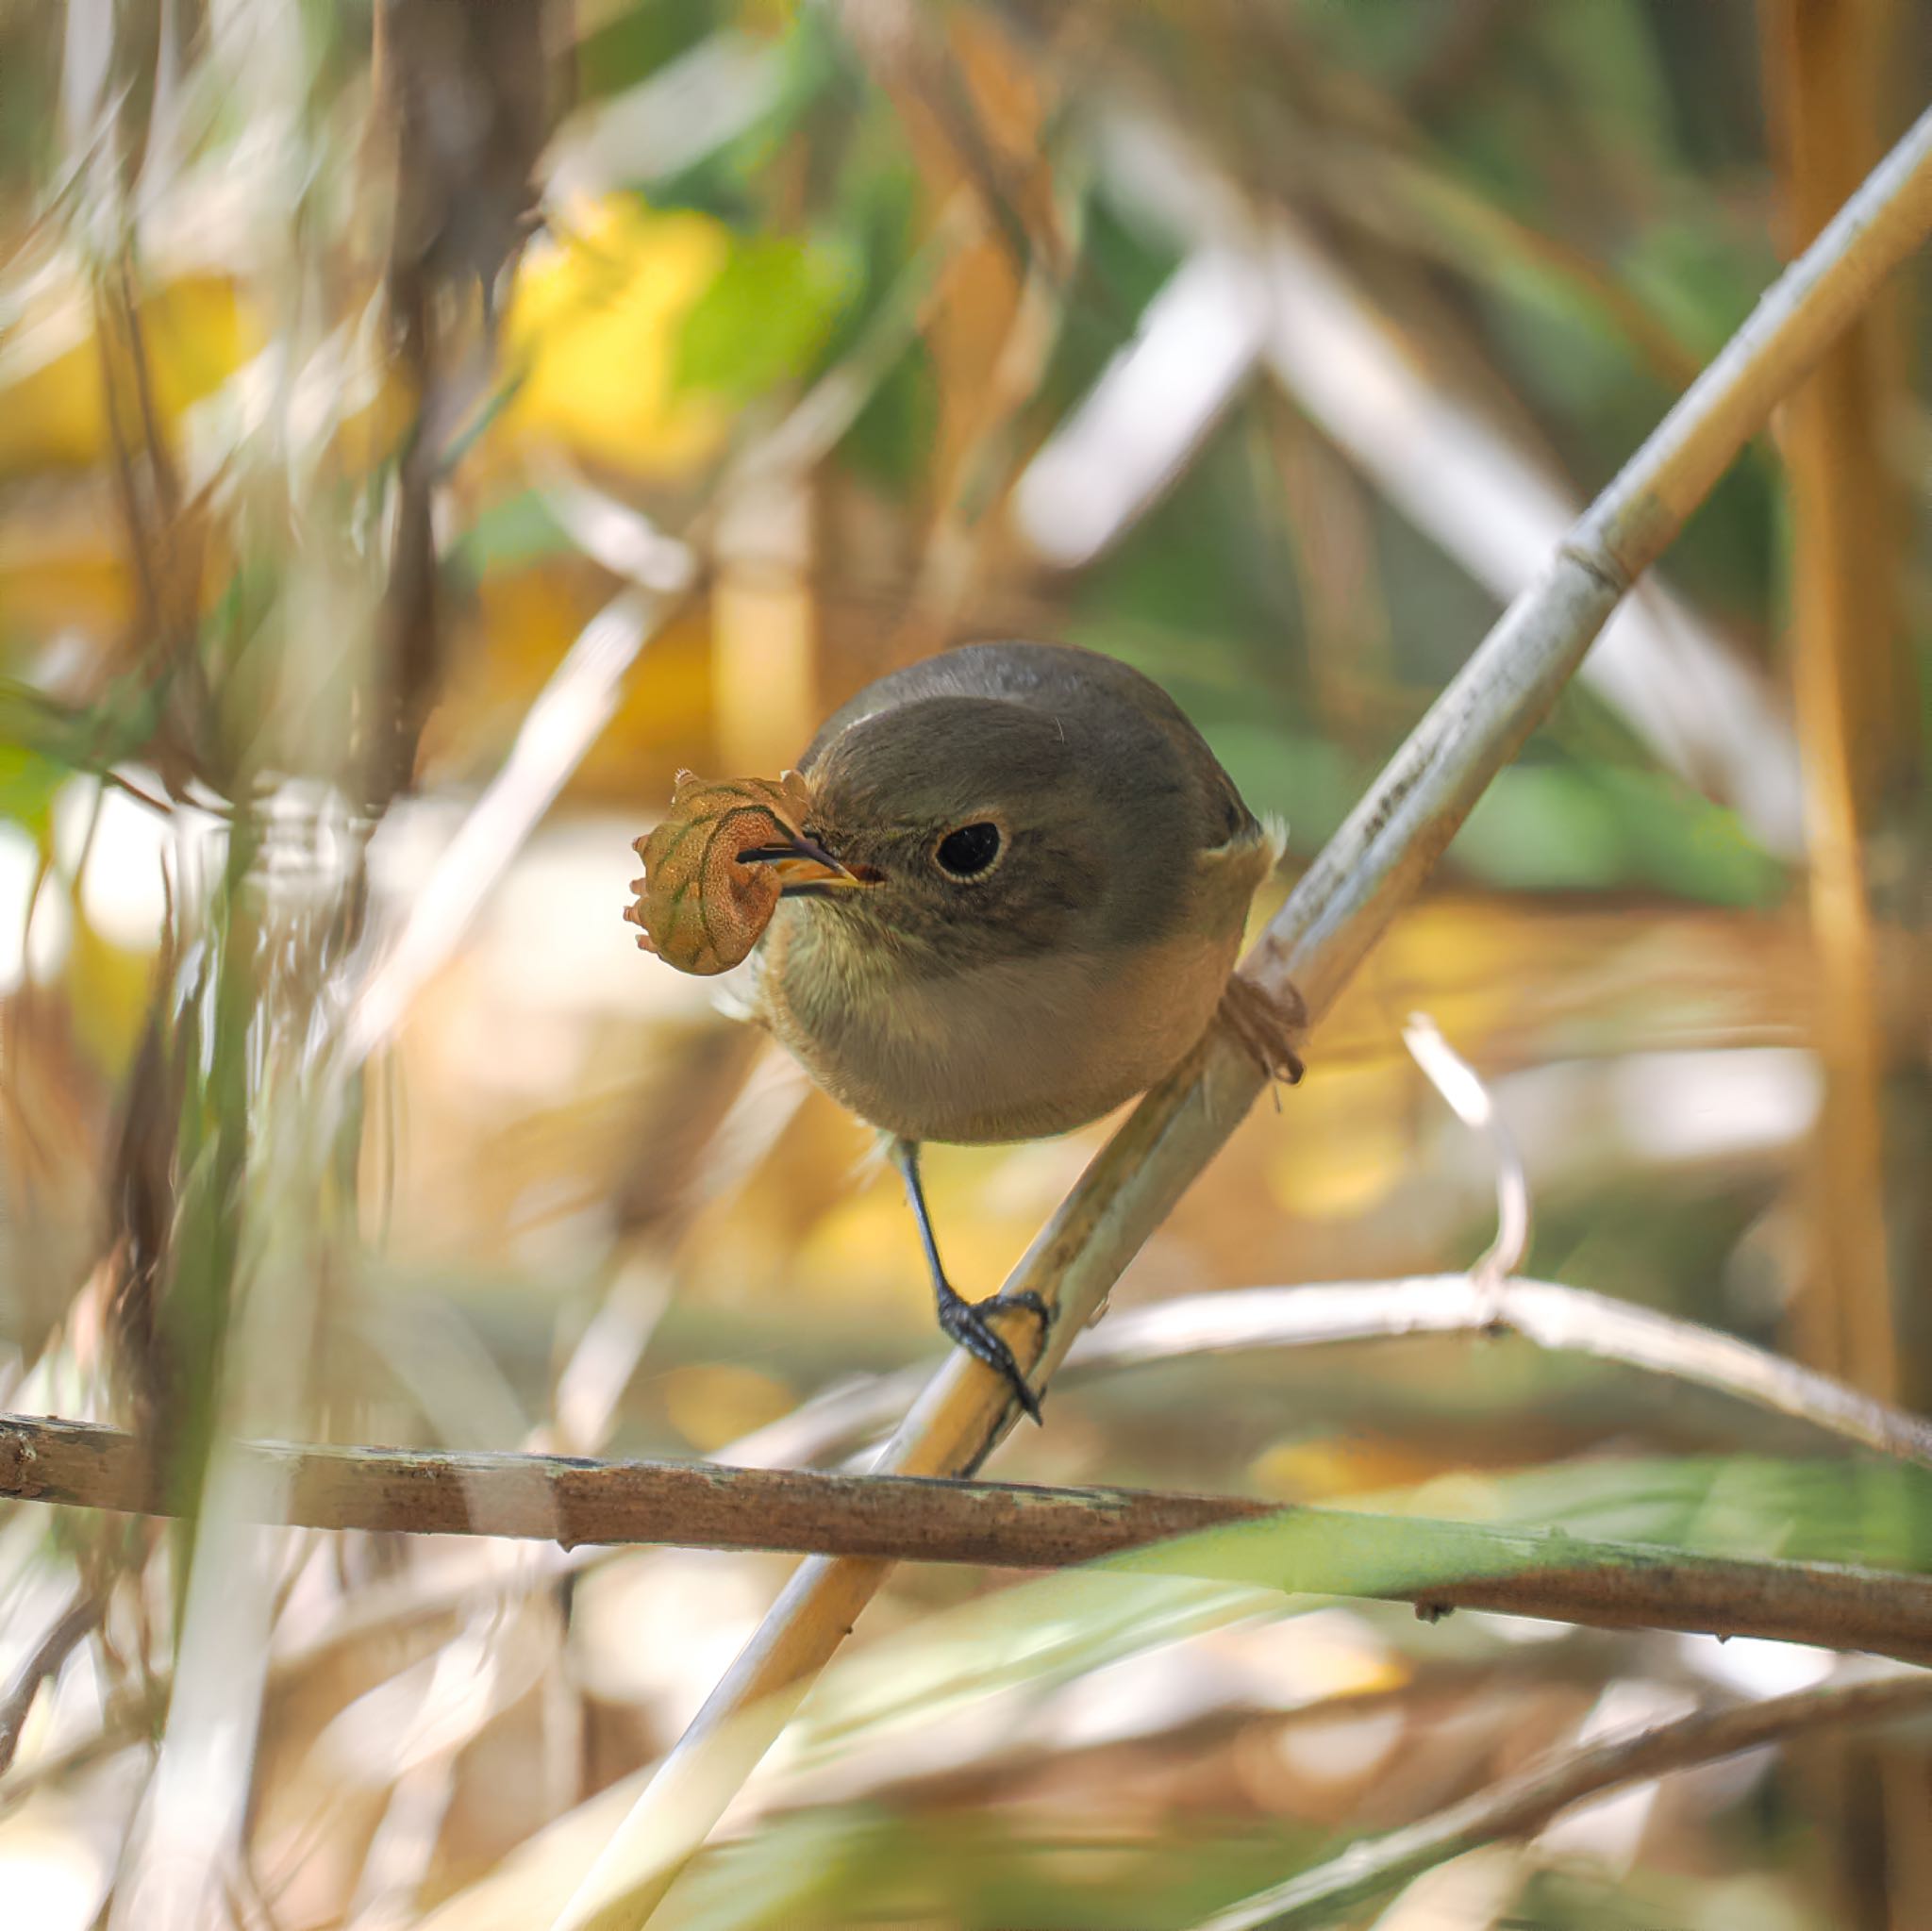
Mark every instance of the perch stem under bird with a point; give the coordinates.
(1002, 895)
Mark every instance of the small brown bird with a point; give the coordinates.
(1016, 903)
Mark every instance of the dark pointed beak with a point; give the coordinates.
(805, 868)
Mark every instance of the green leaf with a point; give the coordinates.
(629, 44)
(1564, 826)
(891, 437)
(862, 1863)
(512, 533)
(764, 318)
(29, 781)
(44, 742)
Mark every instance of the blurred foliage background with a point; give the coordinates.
(425, 428)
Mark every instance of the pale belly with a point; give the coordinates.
(1005, 1052)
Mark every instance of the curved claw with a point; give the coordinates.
(1270, 1026)
(964, 1322)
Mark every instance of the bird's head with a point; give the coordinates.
(975, 829)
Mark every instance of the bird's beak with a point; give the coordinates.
(804, 868)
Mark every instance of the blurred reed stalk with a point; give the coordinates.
(1848, 517)
(1374, 865)
(1830, 72)
(290, 653)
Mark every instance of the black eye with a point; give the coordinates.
(967, 852)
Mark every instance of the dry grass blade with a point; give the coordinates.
(574, 706)
(1470, 1101)
(1375, 863)
(81, 1619)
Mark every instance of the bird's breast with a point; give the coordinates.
(1009, 1050)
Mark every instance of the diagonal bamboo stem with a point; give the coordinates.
(1374, 862)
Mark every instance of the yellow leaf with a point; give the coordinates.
(53, 415)
(593, 329)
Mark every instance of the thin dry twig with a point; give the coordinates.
(574, 1502)
(1375, 863)
(1545, 1313)
(1523, 1803)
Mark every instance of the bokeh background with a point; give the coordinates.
(425, 429)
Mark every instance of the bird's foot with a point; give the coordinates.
(965, 1323)
(1271, 1027)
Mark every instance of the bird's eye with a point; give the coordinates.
(965, 853)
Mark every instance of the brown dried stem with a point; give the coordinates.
(1830, 72)
(695, 1505)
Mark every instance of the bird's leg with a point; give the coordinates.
(1271, 1025)
(964, 1322)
